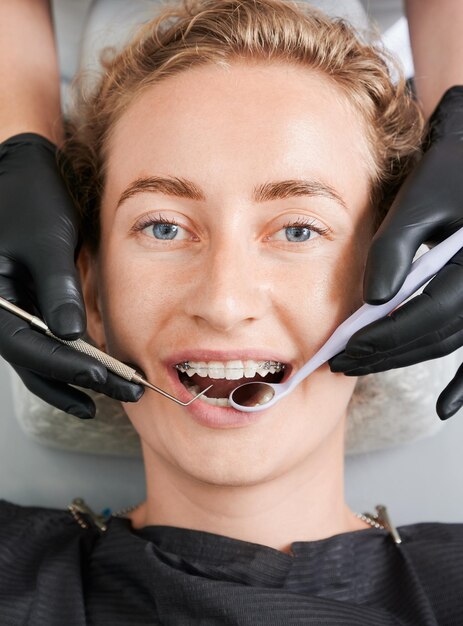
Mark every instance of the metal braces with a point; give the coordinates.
(264, 365)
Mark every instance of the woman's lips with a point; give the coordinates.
(207, 414)
(215, 416)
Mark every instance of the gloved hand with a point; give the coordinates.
(38, 241)
(427, 209)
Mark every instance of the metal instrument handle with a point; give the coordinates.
(121, 369)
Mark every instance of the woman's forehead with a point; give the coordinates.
(215, 124)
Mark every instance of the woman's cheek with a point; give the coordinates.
(125, 307)
(347, 284)
(334, 290)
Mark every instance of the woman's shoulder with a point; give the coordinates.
(431, 555)
(432, 542)
(432, 532)
(41, 549)
(14, 516)
(34, 529)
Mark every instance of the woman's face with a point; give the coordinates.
(233, 280)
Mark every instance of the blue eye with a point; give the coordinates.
(298, 234)
(301, 231)
(164, 231)
(161, 228)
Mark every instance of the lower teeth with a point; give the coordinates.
(194, 389)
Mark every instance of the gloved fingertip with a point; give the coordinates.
(388, 264)
(83, 413)
(359, 371)
(138, 393)
(377, 291)
(375, 297)
(341, 363)
(67, 321)
(446, 409)
(357, 351)
(348, 367)
(443, 415)
(132, 394)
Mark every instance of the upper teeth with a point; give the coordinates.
(231, 370)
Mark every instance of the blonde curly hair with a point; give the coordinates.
(187, 33)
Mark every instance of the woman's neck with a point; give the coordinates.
(305, 503)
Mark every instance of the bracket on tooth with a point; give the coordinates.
(185, 365)
(268, 364)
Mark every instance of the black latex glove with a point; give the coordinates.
(38, 241)
(427, 209)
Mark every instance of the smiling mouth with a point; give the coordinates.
(197, 376)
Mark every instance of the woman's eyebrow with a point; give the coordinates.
(276, 190)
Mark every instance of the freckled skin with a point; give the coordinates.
(229, 130)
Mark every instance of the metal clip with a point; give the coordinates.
(384, 518)
(79, 506)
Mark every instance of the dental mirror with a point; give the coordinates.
(256, 396)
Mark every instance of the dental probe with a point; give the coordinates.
(256, 396)
(112, 364)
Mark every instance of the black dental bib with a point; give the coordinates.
(52, 571)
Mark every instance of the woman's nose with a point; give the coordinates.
(230, 289)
